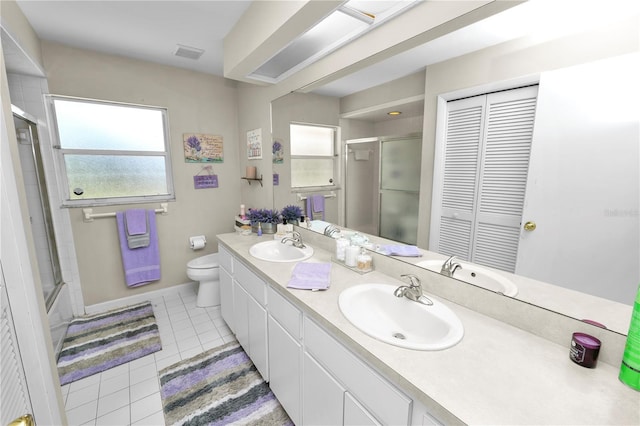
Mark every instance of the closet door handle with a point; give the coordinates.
(530, 226)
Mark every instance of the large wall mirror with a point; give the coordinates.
(581, 183)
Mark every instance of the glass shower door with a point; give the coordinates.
(400, 188)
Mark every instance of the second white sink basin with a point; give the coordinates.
(275, 251)
(375, 310)
(476, 275)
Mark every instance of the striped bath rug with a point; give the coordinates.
(218, 387)
(98, 342)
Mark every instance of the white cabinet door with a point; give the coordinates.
(226, 298)
(322, 395)
(241, 315)
(258, 337)
(356, 414)
(284, 369)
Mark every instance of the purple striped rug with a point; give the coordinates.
(99, 342)
(218, 387)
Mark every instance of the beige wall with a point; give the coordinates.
(196, 103)
(510, 61)
(17, 26)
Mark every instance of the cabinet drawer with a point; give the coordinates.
(285, 313)
(250, 282)
(376, 394)
(225, 258)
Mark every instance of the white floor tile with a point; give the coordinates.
(188, 343)
(144, 388)
(143, 373)
(146, 407)
(178, 316)
(165, 362)
(82, 396)
(114, 384)
(113, 401)
(120, 416)
(212, 344)
(145, 360)
(209, 336)
(156, 419)
(82, 414)
(191, 352)
(83, 383)
(115, 371)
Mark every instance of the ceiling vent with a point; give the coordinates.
(188, 52)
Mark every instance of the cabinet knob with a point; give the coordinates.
(529, 226)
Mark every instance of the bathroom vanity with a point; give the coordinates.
(324, 370)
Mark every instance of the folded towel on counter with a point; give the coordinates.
(137, 228)
(399, 250)
(310, 276)
(142, 264)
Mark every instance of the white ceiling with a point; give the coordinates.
(146, 30)
(150, 30)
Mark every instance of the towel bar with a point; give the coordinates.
(329, 195)
(88, 215)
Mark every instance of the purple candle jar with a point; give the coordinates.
(584, 350)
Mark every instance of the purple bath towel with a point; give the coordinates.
(310, 276)
(315, 204)
(142, 264)
(400, 250)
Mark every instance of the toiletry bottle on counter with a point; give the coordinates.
(341, 248)
(259, 229)
(351, 256)
(364, 261)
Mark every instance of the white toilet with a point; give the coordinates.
(206, 270)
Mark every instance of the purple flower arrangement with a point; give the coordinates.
(291, 213)
(264, 216)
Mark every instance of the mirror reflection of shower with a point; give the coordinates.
(39, 209)
(382, 186)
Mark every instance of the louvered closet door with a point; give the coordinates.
(485, 160)
(503, 176)
(14, 395)
(460, 174)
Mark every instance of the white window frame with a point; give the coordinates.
(335, 160)
(60, 165)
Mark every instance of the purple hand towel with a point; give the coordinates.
(315, 204)
(400, 250)
(141, 265)
(310, 276)
(136, 221)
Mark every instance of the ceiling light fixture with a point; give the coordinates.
(188, 52)
(392, 113)
(346, 23)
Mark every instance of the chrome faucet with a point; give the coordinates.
(295, 238)
(450, 266)
(331, 230)
(413, 291)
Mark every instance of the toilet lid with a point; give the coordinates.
(204, 262)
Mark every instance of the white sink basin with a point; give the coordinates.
(476, 275)
(275, 251)
(399, 321)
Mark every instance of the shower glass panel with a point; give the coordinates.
(39, 208)
(400, 162)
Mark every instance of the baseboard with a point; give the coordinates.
(138, 298)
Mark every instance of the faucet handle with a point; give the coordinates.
(413, 280)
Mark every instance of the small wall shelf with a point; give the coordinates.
(253, 179)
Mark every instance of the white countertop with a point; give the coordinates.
(497, 374)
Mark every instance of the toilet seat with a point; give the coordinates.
(204, 262)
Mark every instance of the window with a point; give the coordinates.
(313, 159)
(111, 153)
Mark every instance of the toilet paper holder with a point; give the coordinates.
(197, 242)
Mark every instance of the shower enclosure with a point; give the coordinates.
(383, 186)
(39, 207)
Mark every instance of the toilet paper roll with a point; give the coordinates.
(197, 243)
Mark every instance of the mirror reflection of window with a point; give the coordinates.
(313, 159)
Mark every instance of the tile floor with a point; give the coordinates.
(130, 393)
